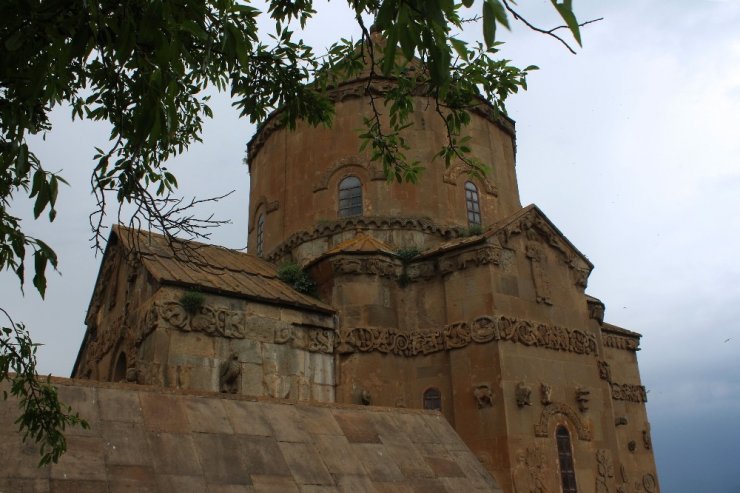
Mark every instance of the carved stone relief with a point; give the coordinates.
(545, 394)
(382, 223)
(632, 445)
(454, 171)
(621, 421)
(483, 395)
(647, 442)
(619, 342)
(355, 161)
(539, 277)
(604, 470)
(374, 266)
(583, 395)
(583, 428)
(604, 371)
(523, 394)
(481, 330)
(529, 471)
(229, 374)
(628, 392)
(535, 227)
(366, 397)
(649, 483)
(217, 321)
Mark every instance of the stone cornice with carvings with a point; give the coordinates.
(337, 226)
(358, 88)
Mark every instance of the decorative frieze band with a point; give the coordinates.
(233, 324)
(619, 342)
(628, 392)
(457, 335)
(416, 270)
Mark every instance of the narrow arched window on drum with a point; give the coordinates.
(350, 197)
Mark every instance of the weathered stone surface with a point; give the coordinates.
(177, 442)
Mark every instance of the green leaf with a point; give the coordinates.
(489, 24)
(389, 53)
(39, 279)
(565, 9)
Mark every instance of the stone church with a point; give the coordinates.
(446, 295)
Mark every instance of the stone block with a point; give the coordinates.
(409, 461)
(78, 486)
(220, 458)
(354, 484)
(24, 485)
(180, 484)
(321, 368)
(263, 310)
(383, 487)
(273, 484)
(118, 405)
(247, 418)
(322, 393)
(285, 423)
(337, 456)
(261, 455)
(358, 428)
(374, 458)
(82, 460)
(230, 488)
(261, 329)
(207, 415)
(122, 479)
(21, 458)
(204, 378)
(305, 464)
(415, 428)
(248, 351)
(192, 343)
(83, 400)
(125, 443)
(164, 413)
(174, 453)
(155, 347)
(251, 380)
(444, 467)
(318, 420)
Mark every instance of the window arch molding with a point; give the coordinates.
(350, 196)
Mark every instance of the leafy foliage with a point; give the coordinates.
(407, 254)
(43, 417)
(144, 67)
(192, 301)
(291, 273)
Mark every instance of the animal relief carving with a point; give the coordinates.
(523, 394)
(583, 395)
(229, 374)
(545, 394)
(483, 395)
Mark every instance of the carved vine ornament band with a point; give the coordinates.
(460, 334)
(233, 324)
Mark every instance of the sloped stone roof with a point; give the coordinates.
(213, 268)
(151, 439)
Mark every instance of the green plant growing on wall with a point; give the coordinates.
(192, 301)
(474, 229)
(291, 273)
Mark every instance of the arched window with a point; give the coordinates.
(261, 235)
(472, 202)
(350, 197)
(565, 458)
(433, 399)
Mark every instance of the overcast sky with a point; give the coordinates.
(631, 147)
